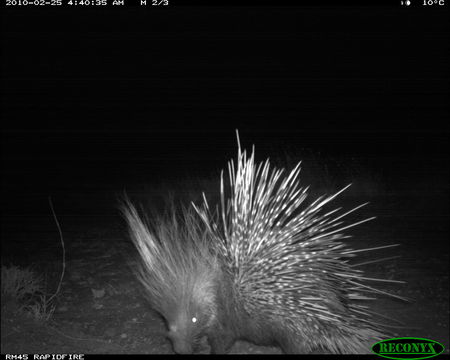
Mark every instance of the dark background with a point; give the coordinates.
(97, 99)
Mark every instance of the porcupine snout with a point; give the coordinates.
(180, 335)
(179, 343)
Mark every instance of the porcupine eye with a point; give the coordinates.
(194, 320)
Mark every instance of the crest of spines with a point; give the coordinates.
(279, 250)
(175, 263)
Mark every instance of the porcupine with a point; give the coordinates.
(266, 269)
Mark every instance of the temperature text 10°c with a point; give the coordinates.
(433, 2)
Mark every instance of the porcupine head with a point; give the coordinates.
(190, 310)
(179, 272)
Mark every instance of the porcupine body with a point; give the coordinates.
(267, 269)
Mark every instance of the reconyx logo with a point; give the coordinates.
(407, 348)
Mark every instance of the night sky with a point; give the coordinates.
(107, 97)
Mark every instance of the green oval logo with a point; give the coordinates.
(407, 348)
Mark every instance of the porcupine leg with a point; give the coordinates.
(220, 343)
(292, 345)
